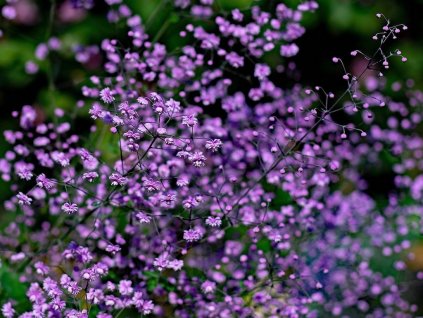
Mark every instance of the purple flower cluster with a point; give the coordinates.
(184, 217)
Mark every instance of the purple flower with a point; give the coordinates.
(71, 286)
(143, 218)
(96, 111)
(41, 268)
(208, 287)
(151, 185)
(261, 71)
(125, 287)
(28, 117)
(69, 208)
(192, 235)
(117, 179)
(173, 106)
(143, 305)
(189, 120)
(289, 50)
(214, 221)
(113, 248)
(197, 159)
(7, 310)
(23, 199)
(127, 110)
(175, 264)
(161, 262)
(60, 158)
(214, 145)
(51, 288)
(8, 12)
(44, 182)
(90, 176)
(235, 60)
(106, 95)
(147, 307)
(82, 4)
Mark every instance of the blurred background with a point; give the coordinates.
(337, 28)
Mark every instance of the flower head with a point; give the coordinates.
(23, 199)
(106, 95)
(192, 235)
(70, 208)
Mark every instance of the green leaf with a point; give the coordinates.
(12, 288)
